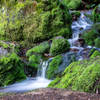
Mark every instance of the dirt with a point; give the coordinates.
(51, 94)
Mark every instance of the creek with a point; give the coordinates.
(78, 27)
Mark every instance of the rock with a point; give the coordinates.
(11, 69)
(58, 64)
(58, 46)
(51, 94)
(74, 50)
(81, 42)
(80, 76)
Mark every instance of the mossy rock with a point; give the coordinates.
(33, 63)
(11, 70)
(4, 45)
(59, 46)
(80, 76)
(39, 49)
(95, 54)
(73, 4)
(52, 71)
(90, 36)
(97, 42)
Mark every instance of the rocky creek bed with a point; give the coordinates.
(51, 94)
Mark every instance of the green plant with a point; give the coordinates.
(80, 76)
(11, 69)
(97, 42)
(53, 67)
(59, 46)
(39, 49)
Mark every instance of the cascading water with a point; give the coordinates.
(30, 83)
(82, 24)
(78, 27)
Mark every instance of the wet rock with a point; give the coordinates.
(79, 43)
(74, 50)
(3, 52)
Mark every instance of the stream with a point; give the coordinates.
(30, 83)
(78, 27)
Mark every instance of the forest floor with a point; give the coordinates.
(51, 94)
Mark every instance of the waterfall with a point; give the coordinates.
(31, 83)
(44, 67)
(79, 26)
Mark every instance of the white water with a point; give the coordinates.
(78, 27)
(30, 83)
(82, 24)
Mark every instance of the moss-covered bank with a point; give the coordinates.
(11, 69)
(81, 75)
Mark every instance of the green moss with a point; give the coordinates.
(96, 14)
(59, 46)
(4, 45)
(97, 42)
(72, 4)
(34, 61)
(90, 36)
(81, 76)
(39, 49)
(75, 13)
(95, 54)
(53, 67)
(11, 70)
(34, 24)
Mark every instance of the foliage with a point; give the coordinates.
(90, 36)
(72, 4)
(39, 49)
(53, 67)
(11, 70)
(4, 45)
(96, 14)
(95, 54)
(34, 61)
(97, 42)
(59, 46)
(81, 76)
(34, 21)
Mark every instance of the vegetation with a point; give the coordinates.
(30, 21)
(59, 46)
(38, 29)
(39, 49)
(11, 70)
(72, 4)
(52, 71)
(81, 76)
